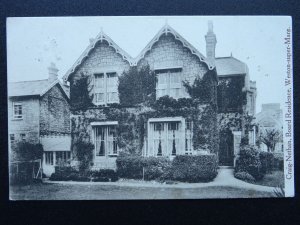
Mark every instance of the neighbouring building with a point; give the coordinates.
(270, 118)
(217, 125)
(38, 112)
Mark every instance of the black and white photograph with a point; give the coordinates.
(150, 107)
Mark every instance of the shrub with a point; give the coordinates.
(131, 167)
(244, 176)
(278, 162)
(64, 173)
(192, 168)
(249, 161)
(104, 175)
(267, 161)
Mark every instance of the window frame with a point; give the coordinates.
(107, 89)
(49, 158)
(17, 116)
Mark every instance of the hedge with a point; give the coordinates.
(278, 162)
(104, 175)
(137, 167)
(192, 168)
(249, 161)
(244, 176)
(267, 161)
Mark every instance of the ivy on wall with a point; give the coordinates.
(137, 86)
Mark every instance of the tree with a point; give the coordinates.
(270, 137)
(25, 151)
(136, 86)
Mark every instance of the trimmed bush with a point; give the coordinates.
(267, 161)
(64, 173)
(249, 161)
(104, 175)
(137, 167)
(192, 168)
(244, 176)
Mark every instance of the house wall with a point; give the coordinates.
(54, 112)
(29, 124)
(168, 52)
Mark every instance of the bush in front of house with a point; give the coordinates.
(192, 168)
(103, 175)
(267, 161)
(249, 161)
(244, 176)
(278, 161)
(64, 173)
(138, 167)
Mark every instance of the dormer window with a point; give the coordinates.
(106, 88)
(17, 110)
(169, 83)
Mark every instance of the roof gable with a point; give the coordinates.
(134, 61)
(32, 88)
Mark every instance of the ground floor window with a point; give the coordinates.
(106, 140)
(188, 137)
(62, 157)
(49, 158)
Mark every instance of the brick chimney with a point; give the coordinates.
(211, 42)
(52, 70)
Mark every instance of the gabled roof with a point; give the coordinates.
(227, 66)
(100, 37)
(168, 29)
(133, 61)
(32, 88)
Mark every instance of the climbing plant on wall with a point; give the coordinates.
(136, 86)
(80, 96)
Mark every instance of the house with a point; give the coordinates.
(113, 128)
(271, 118)
(38, 112)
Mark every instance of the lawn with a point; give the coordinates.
(98, 192)
(275, 179)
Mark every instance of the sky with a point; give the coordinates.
(34, 42)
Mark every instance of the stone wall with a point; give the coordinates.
(29, 124)
(54, 112)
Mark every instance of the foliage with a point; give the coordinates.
(267, 161)
(80, 96)
(231, 97)
(203, 89)
(64, 173)
(137, 167)
(244, 176)
(278, 162)
(270, 137)
(136, 86)
(192, 168)
(103, 175)
(26, 151)
(249, 161)
(279, 192)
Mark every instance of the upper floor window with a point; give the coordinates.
(17, 110)
(106, 88)
(23, 137)
(169, 83)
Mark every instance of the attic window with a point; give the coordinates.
(106, 88)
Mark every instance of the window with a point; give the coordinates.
(173, 126)
(106, 140)
(188, 137)
(158, 126)
(17, 110)
(169, 83)
(62, 157)
(49, 158)
(12, 138)
(23, 137)
(106, 88)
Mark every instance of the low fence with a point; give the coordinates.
(24, 172)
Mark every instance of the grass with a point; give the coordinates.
(99, 192)
(275, 179)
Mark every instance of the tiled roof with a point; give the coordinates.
(230, 66)
(24, 88)
(31, 88)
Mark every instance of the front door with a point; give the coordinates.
(106, 144)
(226, 154)
(164, 138)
